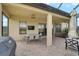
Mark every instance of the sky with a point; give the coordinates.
(5, 20)
(67, 7)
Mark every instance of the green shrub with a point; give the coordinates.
(65, 30)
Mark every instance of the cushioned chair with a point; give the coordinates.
(31, 37)
(73, 43)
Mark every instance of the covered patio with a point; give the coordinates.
(21, 16)
(20, 13)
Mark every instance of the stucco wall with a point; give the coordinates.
(0, 17)
(14, 27)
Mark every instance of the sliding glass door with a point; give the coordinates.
(5, 26)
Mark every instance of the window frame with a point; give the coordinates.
(7, 24)
(58, 28)
(20, 28)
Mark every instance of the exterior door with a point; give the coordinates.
(5, 25)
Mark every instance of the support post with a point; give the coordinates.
(72, 25)
(49, 29)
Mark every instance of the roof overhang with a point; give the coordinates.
(48, 8)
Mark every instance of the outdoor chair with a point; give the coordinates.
(73, 43)
(26, 37)
(37, 37)
(31, 37)
(34, 37)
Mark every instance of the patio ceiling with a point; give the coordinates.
(14, 10)
(67, 7)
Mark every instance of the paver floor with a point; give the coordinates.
(39, 48)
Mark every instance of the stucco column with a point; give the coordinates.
(49, 29)
(72, 25)
(0, 17)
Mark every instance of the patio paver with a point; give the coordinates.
(39, 48)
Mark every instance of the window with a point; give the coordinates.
(42, 29)
(5, 26)
(22, 27)
(58, 28)
(78, 25)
